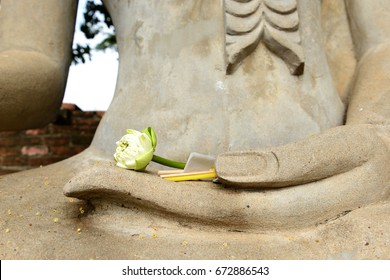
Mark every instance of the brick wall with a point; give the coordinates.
(70, 134)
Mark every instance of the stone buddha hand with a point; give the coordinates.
(292, 96)
(248, 76)
(345, 149)
(221, 77)
(355, 157)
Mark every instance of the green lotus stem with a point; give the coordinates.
(167, 162)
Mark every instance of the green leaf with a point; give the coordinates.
(152, 135)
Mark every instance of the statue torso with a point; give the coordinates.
(209, 79)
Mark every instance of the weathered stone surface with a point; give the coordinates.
(305, 186)
(35, 49)
(31, 201)
(353, 150)
(179, 85)
(305, 204)
(273, 23)
(338, 45)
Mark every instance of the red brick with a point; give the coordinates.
(85, 129)
(19, 141)
(68, 151)
(64, 129)
(68, 106)
(86, 121)
(82, 139)
(10, 151)
(30, 141)
(38, 161)
(9, 133)
(84, 114)
(14, 161)
(5, 172)
(63, 151)
(79, 148)
(8, 141)
(57, 140)
(38, 131)
(32, 132)
(47, 145)
(35, 150)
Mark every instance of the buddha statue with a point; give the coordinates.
(248, 81)
(297, 114)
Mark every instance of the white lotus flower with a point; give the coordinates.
(135, 149)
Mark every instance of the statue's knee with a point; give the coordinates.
(31, 89)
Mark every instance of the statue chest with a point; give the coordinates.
(223, 75)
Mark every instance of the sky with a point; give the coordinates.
(91, 85)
